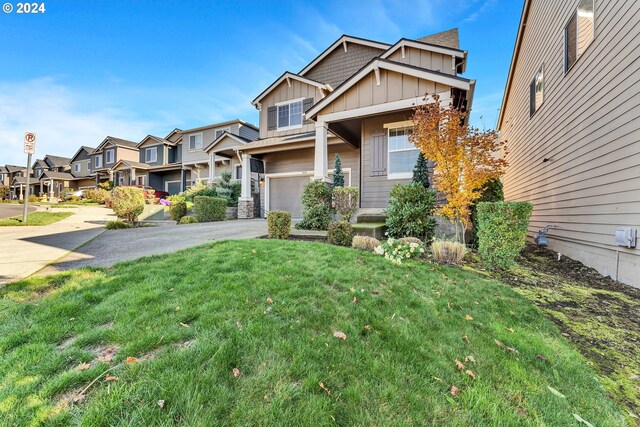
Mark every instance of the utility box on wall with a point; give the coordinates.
(626, 236)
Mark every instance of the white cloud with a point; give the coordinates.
(62, 120)
(473, 16)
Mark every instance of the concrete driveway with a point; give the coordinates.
(8, 210)
(114, 246)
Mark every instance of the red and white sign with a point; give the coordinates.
(29, 143)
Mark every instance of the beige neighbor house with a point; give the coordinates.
(355, 99)
(110, 151)
(571, 119)
(81, 169)
(159, 164)
(209, 150)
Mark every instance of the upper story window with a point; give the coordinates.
(290, 114)
(110, 155)
(403, 155)
(579, 33)
(98, 161)
(195, 141)
(38, 172)
(76, 167)
(536, 91)
(151, 155)
(221, 131)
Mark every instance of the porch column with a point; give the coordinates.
(21, 192)
(245, 203)
(321, 153)
(41, 188)
(212, 168)
(132, 179)
(51, 189)
(183, 180)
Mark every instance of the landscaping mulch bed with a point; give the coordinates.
(599, 315)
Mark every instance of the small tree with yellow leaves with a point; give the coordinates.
(465, 158)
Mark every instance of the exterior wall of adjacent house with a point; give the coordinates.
(208, 136)
(339, 65)
(424, 59)
(588, 129)
(157, 180)
(160, 152)
(281, 93)
(84, 160)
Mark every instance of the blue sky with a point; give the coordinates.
(87, 69)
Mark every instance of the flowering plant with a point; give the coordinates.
(396, 251)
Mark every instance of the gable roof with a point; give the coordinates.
(341, 42)
(14, 168)
(225, 134)
(115, 141)
(286, 76)
(512, 66)
(89, 150)
(132, 164)
(39, 163)
(173, 132)
(222, 124)
(460, 55)
(57, 175)
(57, 161)
(435, 76)
(448, 38)
(157, 139)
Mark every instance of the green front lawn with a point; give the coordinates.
(270, 309)
(36, 218)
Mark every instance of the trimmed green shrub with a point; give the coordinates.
(188, 220)
(340, 233)
(97, 195)
(365, 243)
(316, 199)
(338, 176)
(491, 192)
(410, 212)
(502, 231)
(208, 209)
(345, 200)
(178, 209)
(279, 224)
(127, 203)
(116, 225)
(33, 198)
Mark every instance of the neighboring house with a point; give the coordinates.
(571, 119)
(201, 160)
(16, 179)
(81, 168)
(356, 99)
(4, 176)
(52, 175)
(159, 164)
(110, 151)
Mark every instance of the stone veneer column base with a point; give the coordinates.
(245, 208)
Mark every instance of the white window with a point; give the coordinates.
(290, 114)
(76, 167)
(151, 155)
(110, 154)
(221, 131)
(195, 141)
(403, 155)
(536, 91)
(579, 33)
(38, 173)
(237, 173)
(98, 161)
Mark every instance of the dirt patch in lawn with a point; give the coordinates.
(599, 315)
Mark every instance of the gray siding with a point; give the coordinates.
(159, 158)
(208, 136)
(248, 132)
(588, 125)
(339, 65)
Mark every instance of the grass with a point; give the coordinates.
(270, 309)
(36, 218)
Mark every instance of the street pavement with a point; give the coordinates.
(8, 210)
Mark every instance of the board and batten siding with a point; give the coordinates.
(588, 128)
(424, 59)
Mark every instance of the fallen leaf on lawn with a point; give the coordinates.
(506, 347)
(325, 389)
(239, 325)
(522, 412)
(78, 398)
(253, 251)
(367, 327)
(171, 290)
(449, 306)
(178, 308)
(340, 335)
(542, 358)
(82, 366)
(511, 330)
(352, 289)
(564, 334)
(438, 379)
(437, 293)
(556, 392)
(631, 414)
(466, 339)
(633, 377)
(108, 354)
(360, 262)
(236, 372)
(184, 325)
(131, 360)
(161, 403)
(467, 317)
(269, 301)
(109, 377)
(470, 373)
(470, 359)
(459, 364)
(354, 300)
(582, 420)
(454, 391)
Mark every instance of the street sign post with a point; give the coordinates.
(29, 149)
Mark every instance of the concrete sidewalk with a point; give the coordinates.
(121, 245)
(25, 250)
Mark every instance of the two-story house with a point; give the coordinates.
(81, 168)
(208, 150)
(158, 165)
(571, 118)
(355, 99)
(52, 175)
(16, 176)
(110, 151)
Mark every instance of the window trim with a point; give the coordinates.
(289, 102)
(97, 164)
(532, 111)
(235, 172)
(151, 150)
(111, 151)
(196, 148)
(389, 127)
(77, 167)
(222, 131)
(566, 66)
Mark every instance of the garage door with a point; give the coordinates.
(172, 187)
(285, 194)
